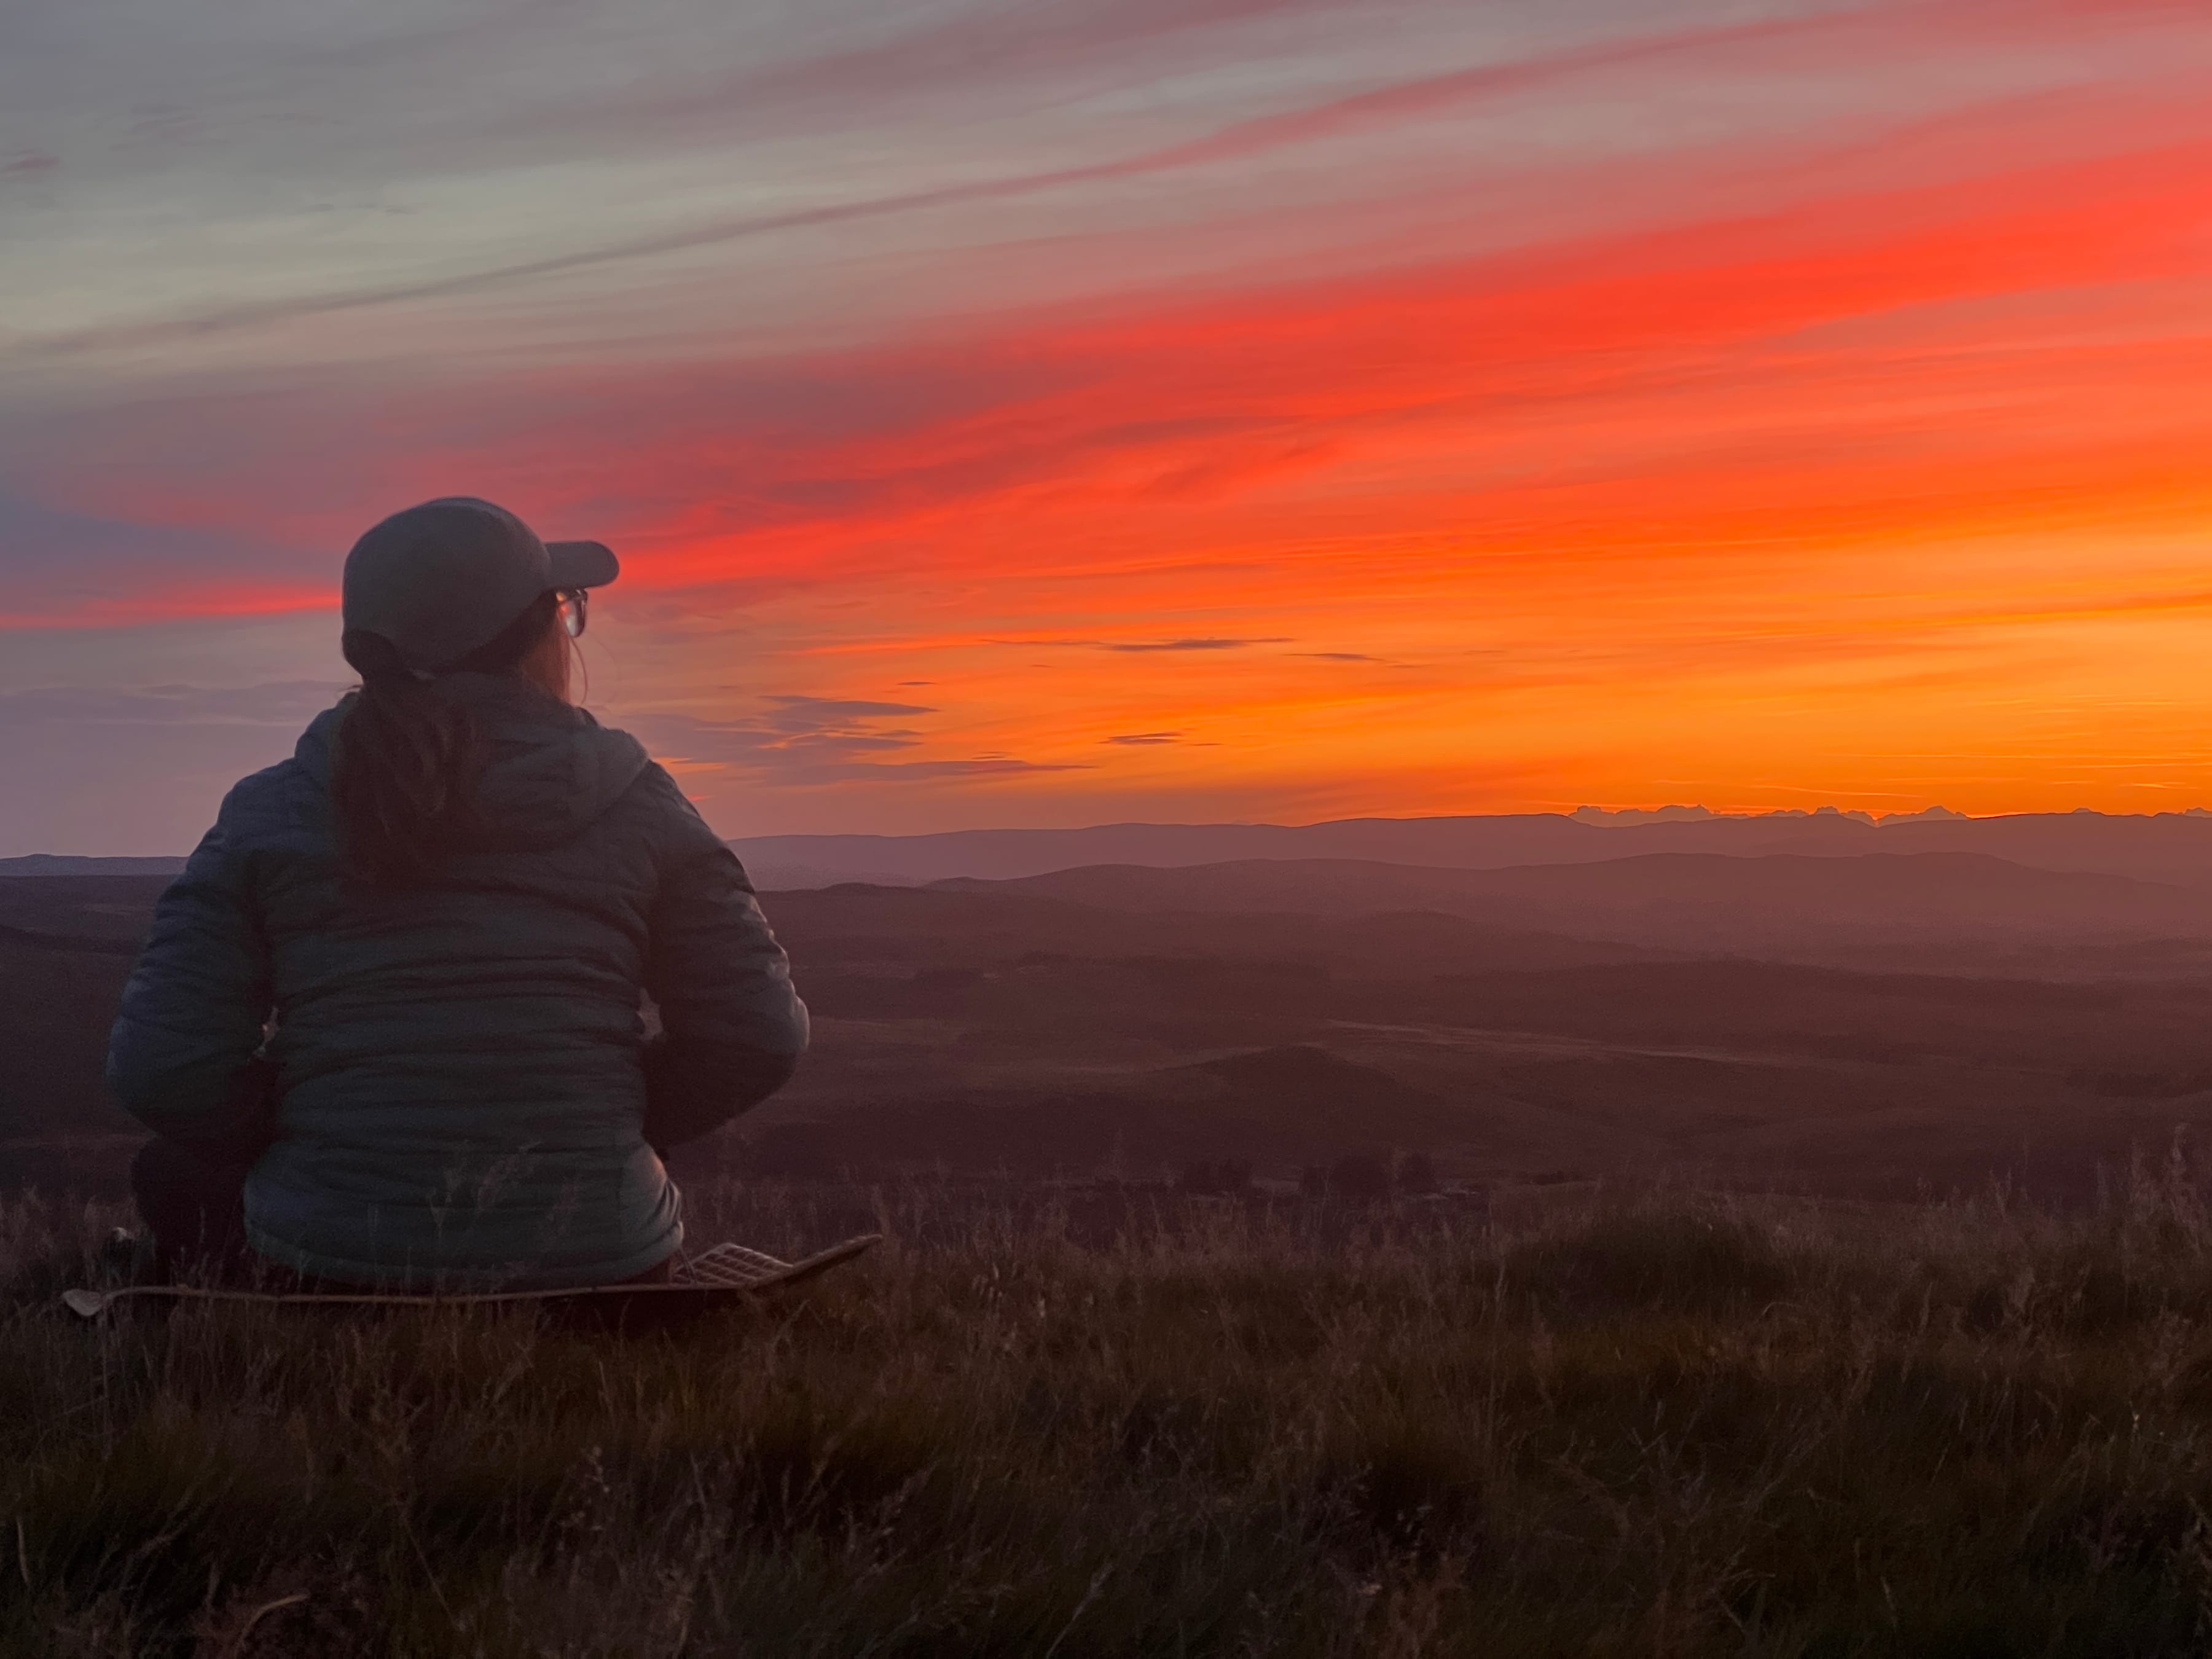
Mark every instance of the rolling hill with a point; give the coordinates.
(1858, 1025)
(1789, 906)
(2171, 848)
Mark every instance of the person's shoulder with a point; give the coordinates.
(299, 780)
(275, 805)
(656, 808)
(655, 793)
(257, 791)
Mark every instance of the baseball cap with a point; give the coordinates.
(442, 580)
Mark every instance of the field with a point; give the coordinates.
(1008, 1030)
(1663, 1424)
(1781, 1297)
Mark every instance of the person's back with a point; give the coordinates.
(398, 988)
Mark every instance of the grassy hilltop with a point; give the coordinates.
(1665, 1428)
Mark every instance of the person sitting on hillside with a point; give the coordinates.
(389, 1029)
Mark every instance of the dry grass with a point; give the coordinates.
(1677, 1427)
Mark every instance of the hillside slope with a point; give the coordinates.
(1789, 905)
(2174, 847)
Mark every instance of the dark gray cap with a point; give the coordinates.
(442, 580)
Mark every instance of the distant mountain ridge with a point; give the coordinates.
(62, 864)
(2171, 848)
(1674, 899)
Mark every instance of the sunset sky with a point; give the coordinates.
(1065, 411)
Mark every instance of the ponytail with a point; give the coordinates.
(403, 776)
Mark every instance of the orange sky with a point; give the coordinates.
(1205, 414)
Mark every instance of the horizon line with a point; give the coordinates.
(1630, 817)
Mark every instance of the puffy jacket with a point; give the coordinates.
(452, 1083)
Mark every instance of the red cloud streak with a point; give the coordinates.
(1890, 494)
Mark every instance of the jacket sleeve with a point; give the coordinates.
(732, 1028)
(184, 1057)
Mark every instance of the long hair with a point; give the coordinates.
(406, 763)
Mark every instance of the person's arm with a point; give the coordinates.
(184, 1057)
(732, 1028)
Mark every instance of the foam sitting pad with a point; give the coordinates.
(726, 1272)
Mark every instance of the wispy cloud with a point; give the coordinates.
(1188, 645)
(74, 566)
(1015, 40)
(287, 704)
(804, 714)
(804, 740)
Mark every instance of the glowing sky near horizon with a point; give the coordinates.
(1057, 412)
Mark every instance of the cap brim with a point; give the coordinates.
(582, 564)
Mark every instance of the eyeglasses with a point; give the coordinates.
(575, 609)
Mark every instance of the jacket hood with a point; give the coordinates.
(552, 771)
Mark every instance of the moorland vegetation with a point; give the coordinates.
(1667, 1424)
